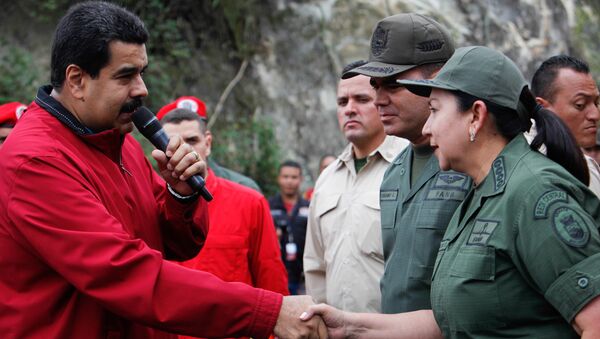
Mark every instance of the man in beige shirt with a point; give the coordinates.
(343, 255)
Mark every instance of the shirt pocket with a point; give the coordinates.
(226, 256)
(475, 263)
(368, 232)
(389, 208)
(327, 218)
(432, 222)
(473, 298)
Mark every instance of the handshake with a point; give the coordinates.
(299, 317)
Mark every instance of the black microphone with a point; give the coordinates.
(151, 129)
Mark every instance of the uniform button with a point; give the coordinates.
(402, 171)
(583, 282)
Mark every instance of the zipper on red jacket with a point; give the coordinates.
(123, 167)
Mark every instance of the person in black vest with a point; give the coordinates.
(290, 212)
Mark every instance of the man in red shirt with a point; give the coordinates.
(86, 223)
(241, 245)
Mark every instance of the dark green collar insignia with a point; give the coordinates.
(499, 173)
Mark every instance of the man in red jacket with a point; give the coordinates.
(85, 222)
(241, 245)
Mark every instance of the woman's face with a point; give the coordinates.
(448, 130)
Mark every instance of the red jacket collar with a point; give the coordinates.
(109, 142)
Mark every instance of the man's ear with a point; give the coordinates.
(543, 102)
(75, 81)
(208, 141)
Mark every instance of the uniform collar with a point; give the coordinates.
(108, 142)
(494, 183)
(387, 150)
(503, 166)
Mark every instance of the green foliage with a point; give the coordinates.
(195, 48)
(19, 74)
(242, 19)
(248, 146)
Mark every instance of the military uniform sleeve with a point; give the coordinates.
(558, 245)
(314, 254)
(58, 218)
(267, 268)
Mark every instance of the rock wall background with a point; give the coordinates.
(287, 56)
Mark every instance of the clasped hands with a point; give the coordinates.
(301, 318)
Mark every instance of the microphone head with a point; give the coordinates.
(145, 121)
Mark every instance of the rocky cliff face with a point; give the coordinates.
(295, 50)
(310, 46)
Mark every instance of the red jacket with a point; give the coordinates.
(242, 244)
(84, 225)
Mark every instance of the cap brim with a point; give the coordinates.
(376, 69)
(422, 87)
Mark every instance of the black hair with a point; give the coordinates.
(427, 70)
(7, 124)
(551, 130)
(542, 83)
(178, 115)
(290, 163)
(353, 65)
(83, 36)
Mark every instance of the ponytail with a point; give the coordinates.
(551, 130)
(560, 144)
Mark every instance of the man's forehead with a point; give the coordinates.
(572, 81)
(359, 83)
(125, 55)
(184, 126)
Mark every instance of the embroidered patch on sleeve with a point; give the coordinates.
(570, 227)
(391, 195)
(482, 230)
(545, 201)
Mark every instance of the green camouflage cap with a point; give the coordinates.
(481, 72)
(404, 41)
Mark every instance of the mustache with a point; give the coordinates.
(132, 105)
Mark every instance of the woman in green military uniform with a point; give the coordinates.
(521, 255)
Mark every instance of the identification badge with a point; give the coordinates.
(291, 251)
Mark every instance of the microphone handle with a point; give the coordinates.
(160, 140)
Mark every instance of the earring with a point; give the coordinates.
(471, 135)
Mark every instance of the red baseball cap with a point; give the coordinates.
(11, 112)
(192, 103)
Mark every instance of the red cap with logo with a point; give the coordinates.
(11, 112)
(192, 103)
